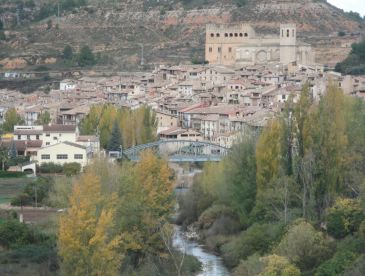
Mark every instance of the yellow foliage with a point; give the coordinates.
(86, 242)
(278, 266)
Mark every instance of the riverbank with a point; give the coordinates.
(212, 265)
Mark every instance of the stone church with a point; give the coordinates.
(240, 45)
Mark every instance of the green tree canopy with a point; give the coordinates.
(12, 118)
(115, 141)
(85, 57)
(67, 52)
(44, 118)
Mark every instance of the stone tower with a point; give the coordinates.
(288, 43)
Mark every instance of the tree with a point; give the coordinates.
(87, 241)
(115, 141)
(85, 57)
(13, 152)
(67, 53)
(44, 118)
(146, 206)
(4, 156)
(304, 246)
(12, 118)
(344, 217)
(278, 265)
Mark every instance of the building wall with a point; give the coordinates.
(57, 137)
(51, 153)
(238, 44)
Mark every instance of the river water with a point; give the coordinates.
(212, 265)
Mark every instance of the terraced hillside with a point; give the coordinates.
(171, 31)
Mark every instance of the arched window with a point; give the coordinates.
(231, 34)
(226, 35)
(241, 34)
(212, 35)
(217, 35)
(282, 33)
(293, 33)
(287, 33)
(235, 34)
(246, 34)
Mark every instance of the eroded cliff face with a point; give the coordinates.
(172, 34)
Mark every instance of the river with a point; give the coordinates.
(212, 265)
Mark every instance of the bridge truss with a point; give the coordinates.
(180, 151)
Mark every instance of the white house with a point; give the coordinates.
(64, 152)
(54, 134)
(67, 85)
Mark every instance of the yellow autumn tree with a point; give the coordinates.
(87, 241)
(146, 206)
(269, 154)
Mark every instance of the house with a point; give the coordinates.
(64, 152)
(165, 121)
(67, 85)
(177, 133)
(53, 134)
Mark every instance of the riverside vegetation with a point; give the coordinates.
(289, 200)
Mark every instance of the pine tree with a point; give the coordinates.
(13, 153)
(115, 139)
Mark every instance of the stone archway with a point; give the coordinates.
(261, 56)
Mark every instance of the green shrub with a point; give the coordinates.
(337, 264)
(5, 174)
(14, 234)
(344, 218)
(304, 246)
(50, 168)
(258, 239)
(70, 169)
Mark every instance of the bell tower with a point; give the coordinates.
(288, 43)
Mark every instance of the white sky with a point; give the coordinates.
(350, 5)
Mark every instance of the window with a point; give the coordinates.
(62, 156)
(235, 34)
(230, 50)
(55, 138)
(230, 35)
(282, 33)
(210, 49)
(37, 137)
(226, 35)
(28, 137)
(287, 33)
(218, 35)
(241, 34)
(293, 32)
(19, 137)
(45, 156)
(78, 156)
(47, 135)
(246, 34)
(283, 97)
(47, 143)
(211, 35)
(219, 49)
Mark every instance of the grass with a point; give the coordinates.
(11, 187)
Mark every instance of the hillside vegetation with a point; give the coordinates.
(171, 31)
(290, 200)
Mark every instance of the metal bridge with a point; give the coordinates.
(180, 151)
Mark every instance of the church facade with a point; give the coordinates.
(240, 45)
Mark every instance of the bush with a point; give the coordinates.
(50, 168)
(5, 174)
(70, 169)
(42, 186)
(14, 234)
(344, 218)
(258, 239)
(337, 264)
(304, 246)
